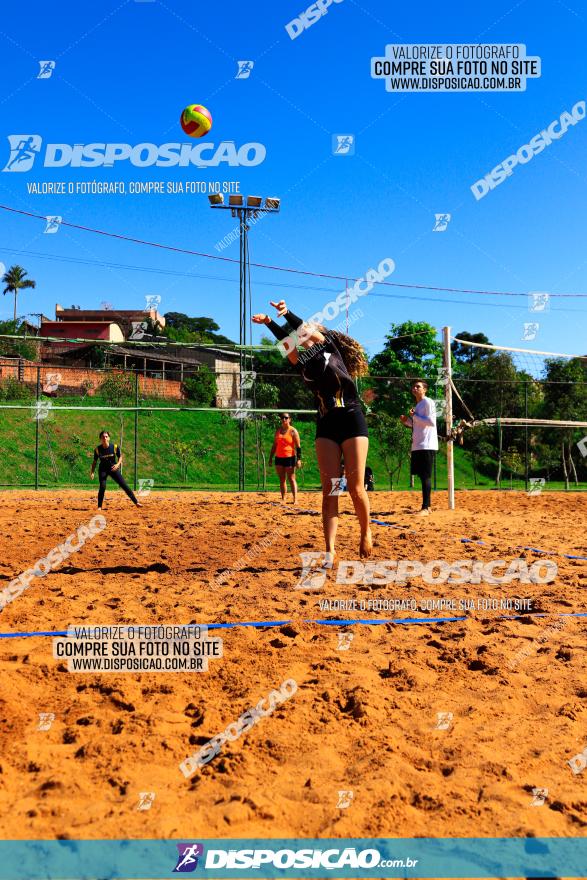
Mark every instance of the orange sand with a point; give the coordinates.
(362, 719)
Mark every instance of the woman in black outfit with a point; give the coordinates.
(110, 458)
(328, 364)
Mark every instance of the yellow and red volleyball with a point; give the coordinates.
(196, 120)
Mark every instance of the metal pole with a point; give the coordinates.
(450, 463)
(136, 470)
(526, 413)
(38, 394)
(243, 342)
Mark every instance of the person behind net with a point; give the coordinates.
(110, 458)
(422, 421)
(288, 455)
(328, 364)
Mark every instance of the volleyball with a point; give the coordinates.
(196, 120)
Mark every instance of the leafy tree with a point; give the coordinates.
(16, 347)
(266, 395)
(187, 451)
(182, 328)
(117, 389)
(201, 388)
(394, 443)
(466, 354)
(12, 389)
(15, 279)
(411, 350)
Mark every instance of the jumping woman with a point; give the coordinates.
(288, 455)
(329, 363)
(110, 458)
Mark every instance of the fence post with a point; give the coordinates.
(450, 466)
(526, 444)
(37, 427)
(136, 467)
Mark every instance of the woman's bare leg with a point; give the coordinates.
(355, 458)
(281, 474)
(328, 454)
(291, 475)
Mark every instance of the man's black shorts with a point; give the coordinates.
(422, 463)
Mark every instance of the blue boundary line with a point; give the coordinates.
(260, 624)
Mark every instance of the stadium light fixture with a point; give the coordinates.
(245, 211)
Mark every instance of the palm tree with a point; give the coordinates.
(15, 279)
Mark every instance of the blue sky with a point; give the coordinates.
(124, 71)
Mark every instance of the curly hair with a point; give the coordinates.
(351, 351)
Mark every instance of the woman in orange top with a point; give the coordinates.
(288, 455)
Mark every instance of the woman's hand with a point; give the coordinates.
(116, 467)
(91, 475)
(260, 319)
(280, 306)
(404, 420)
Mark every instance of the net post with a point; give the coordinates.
(37, 427)
(136, 463)
(450, 464)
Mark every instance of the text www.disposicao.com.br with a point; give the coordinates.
(135, 664)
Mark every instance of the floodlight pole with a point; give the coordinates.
(244, 212)
(450, 446)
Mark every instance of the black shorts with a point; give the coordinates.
(341, 424)
(422, 463)
(290, 461)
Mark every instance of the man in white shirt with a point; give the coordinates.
(422, 421)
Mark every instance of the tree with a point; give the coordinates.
(181, 328)
(15, 279)
(15, 347)
(466, 354)
(201, 388)
(411, 350)
(394, 443)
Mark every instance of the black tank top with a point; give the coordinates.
(324, 372)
